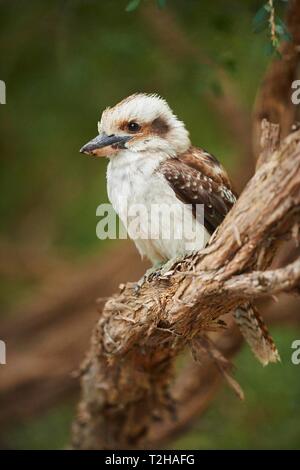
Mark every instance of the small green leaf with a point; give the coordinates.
(272, 50)
(279, 29)
(285, 35)
(161, 3)
(132, 5)
(267, 6)
(269, 49)
(260, 20)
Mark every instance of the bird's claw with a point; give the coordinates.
(169, 267)
(161, 271)
(149, 275)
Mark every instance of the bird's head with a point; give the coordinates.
(139, 123)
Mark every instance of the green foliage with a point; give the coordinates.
(260, 20)
(133, 5)
(268, 418)
(266, 20)
(282, 31)
(161, 3)
(50, 431)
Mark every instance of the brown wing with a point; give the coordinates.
(207, 164)
(196, 177)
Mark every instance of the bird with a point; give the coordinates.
(152, 163)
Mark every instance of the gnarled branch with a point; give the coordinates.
(127, 376)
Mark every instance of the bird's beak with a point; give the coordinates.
(105, 145)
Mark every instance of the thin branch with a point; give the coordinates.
(258, 284)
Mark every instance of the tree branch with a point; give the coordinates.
(260, 283)
(126, 378)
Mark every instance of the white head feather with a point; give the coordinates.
(145, 109)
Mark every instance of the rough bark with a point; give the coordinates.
(127, 376)
(273, 102)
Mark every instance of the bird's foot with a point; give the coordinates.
(150, 274)
(169, 267)
(158, 271)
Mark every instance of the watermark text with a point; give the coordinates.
(296, 94)
(2, 92)
(295, 358)
(2, 352)
(153, 222)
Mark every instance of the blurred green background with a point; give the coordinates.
(63, 62)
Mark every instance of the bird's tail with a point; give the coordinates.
(256, 334)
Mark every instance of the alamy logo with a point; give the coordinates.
(296, 94)
(154, 222)
(296, 354)
(2, 92)
(2, 352)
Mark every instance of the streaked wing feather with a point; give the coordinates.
(197, 179)
(256, 333)
(206, 163)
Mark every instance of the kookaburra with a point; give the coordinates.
(152, 162)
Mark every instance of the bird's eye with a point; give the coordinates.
(133, 126)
